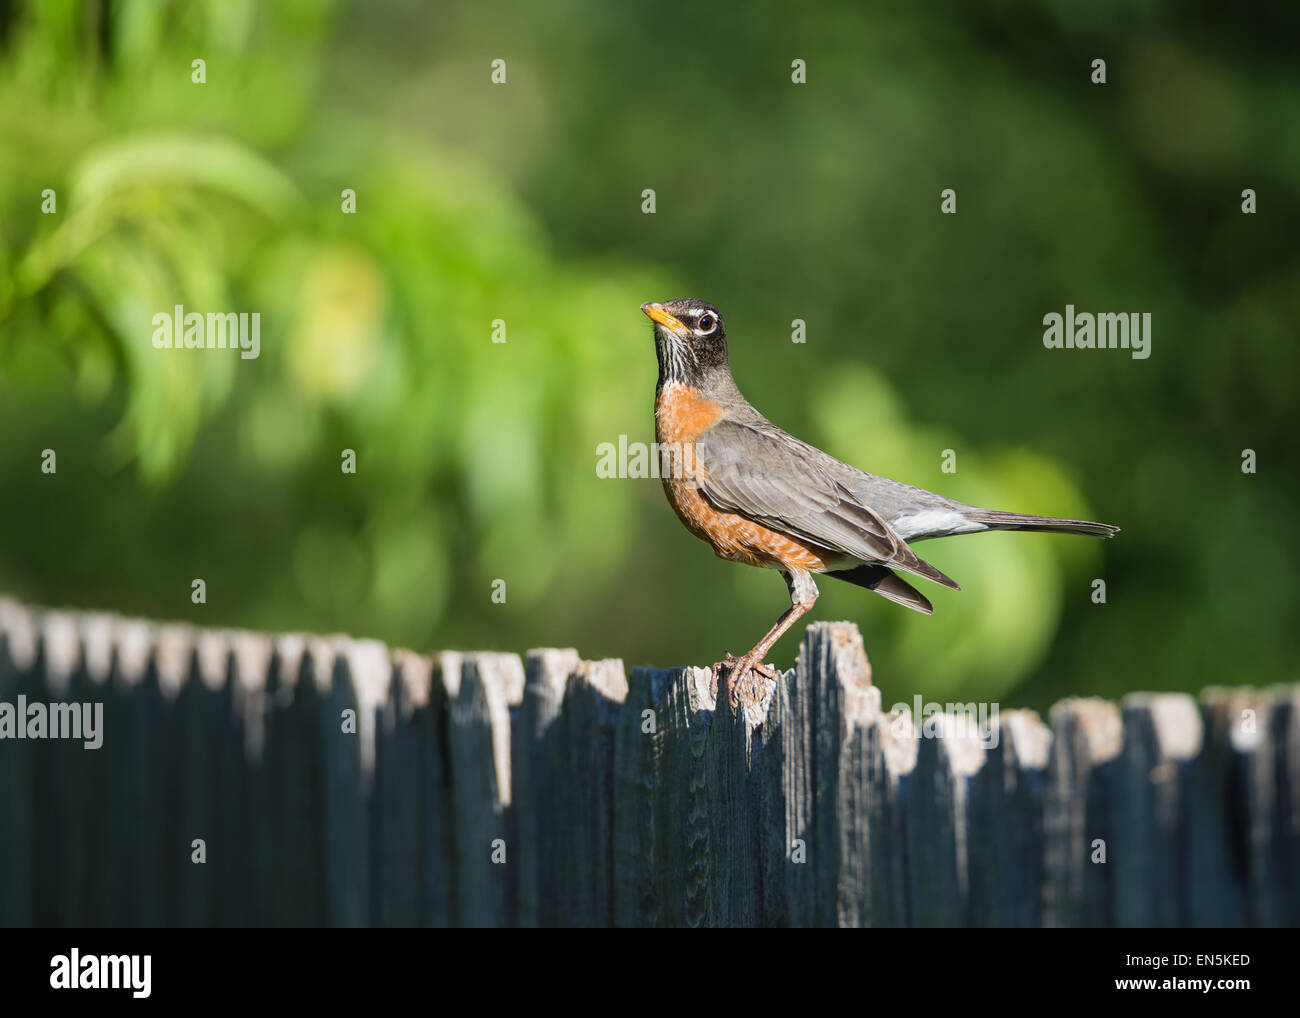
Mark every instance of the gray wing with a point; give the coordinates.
(758, 471)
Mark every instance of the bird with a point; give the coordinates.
(759, 496)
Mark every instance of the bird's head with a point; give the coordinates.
(690, 339)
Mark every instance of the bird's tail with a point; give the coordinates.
(1044, 524)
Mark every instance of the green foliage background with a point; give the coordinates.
(522, 202)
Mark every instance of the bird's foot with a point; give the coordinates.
(740, 669)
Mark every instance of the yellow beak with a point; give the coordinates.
(657, 314)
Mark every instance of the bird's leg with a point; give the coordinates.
(803, 595)
(754, 659)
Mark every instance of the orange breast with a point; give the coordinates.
(682, 415)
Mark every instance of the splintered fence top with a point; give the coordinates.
(246, 779)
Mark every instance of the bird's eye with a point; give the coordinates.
(707, 322)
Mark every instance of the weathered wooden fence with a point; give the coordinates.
(476, 789)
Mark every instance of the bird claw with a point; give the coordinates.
(730, 662)
(767, 671)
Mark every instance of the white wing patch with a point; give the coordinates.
(934, 523)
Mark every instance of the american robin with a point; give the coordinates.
(759, 496)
